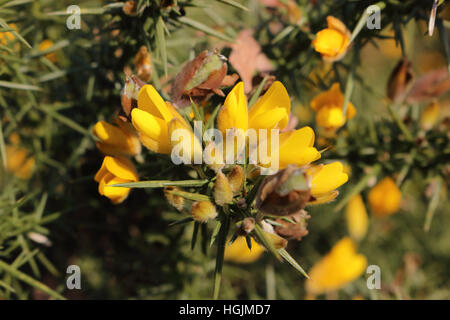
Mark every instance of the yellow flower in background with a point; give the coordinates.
(328, 106)
(385, 198)
(324, 181)
(357, 218)
(333, 42)
(46, 44)
(116, 140)
(336, 269)
(429, 115)
(151, 119)
(115, 170)
(6, 37)
(19, 162)
(239, 252)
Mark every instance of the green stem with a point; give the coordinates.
(222, 238)
(28, 280)
(400, 124)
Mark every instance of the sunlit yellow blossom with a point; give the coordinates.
(329, 108)
(46, 44)
(332, 42)
(385, 197)
(117, 140)
(296, 147)
(186, 144)
(339, 267)
(324, 180)
(356, 216)
(115, 170)
(151, 119)
(271, 111)
(18, 162)
(239, 252)
(429, 115)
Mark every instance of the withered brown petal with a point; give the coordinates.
(400, 80)
(430, 86)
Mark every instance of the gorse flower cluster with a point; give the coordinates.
(225, 192)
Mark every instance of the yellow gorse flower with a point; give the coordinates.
(151, 119)
(115, 170)
(324, 181)
(5, 37)
(333, 42)
(356, 217)
(46, 44)
(429, 115)
(336, 269)
(239, 252)
(271, 111)
(19, 162)
(329, 108)
(117, 140)
(385, 198)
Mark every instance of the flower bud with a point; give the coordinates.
(202, 211)
(290, 230)
(143, 64)
(236, 179)
(222, 190)
(284, 193)
(200, 77)
(174, 200)
(247, 225)
(130, 8)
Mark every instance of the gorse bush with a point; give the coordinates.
(114, 130)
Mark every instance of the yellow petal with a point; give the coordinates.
(121, 168)
(330, 42)
(356, 216)
(337, 268)
(149, 100)
(332, 96)
(234, 114)
(109, 134)
(324, 198)
(385, 198)
(187, 142)
(153, 128)
(328, 178)
(26, 170)
(115, 194)
(330, 117)
(239, 252)
(296, 147)
(272, 109)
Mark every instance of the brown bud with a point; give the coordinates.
(400, 81)
(236, 179)
(174, 200)
(247, 226)
(293, 231)
(143, 64)
(200, 77)
(284, 193)
(202, 211)
(130, 8)
(222, 190)
(129, 95)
